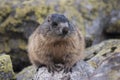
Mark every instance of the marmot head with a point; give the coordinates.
(57, 26)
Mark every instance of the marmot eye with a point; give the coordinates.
(54, 24)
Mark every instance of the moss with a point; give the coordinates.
(22, 44)
(3, 62)
(4, 11)
(8, 24)
(21, 12)
(6, 67)
(42, 11)
(93, 64)
(6, 47)
(1, 47)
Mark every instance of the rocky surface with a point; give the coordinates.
(99, 20)
(6, 69)
(43, 74)
(26, 74)
(102, 63)
(109, 69)
(97, 53)
(82, 71)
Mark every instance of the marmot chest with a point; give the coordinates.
(59, 50)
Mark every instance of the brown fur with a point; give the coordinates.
(49, 51)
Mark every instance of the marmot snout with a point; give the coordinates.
(56, 41)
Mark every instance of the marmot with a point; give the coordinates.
(56, 41)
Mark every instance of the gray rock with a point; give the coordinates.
(102, 49)
(109, 69)
(26, 74)
(82, 71)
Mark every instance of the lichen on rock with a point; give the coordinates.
(97, 53)
(6, 69)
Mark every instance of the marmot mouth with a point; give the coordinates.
(62, 35)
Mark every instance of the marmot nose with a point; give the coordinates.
(65, 30)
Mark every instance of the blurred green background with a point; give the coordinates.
(99, 20)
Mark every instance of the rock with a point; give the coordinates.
(97, 53)
(26, 74)
(81, 71)
(97, 19)
(102, 63)
(113, 29)
(6, 69)
(109, 69)
(106, 25)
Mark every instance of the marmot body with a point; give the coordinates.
(56, 41)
